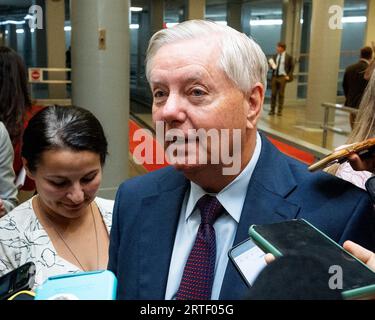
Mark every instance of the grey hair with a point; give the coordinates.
(242, 59)
(364, 125)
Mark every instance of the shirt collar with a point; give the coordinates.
(232, 197)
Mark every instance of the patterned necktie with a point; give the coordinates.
(198, 276)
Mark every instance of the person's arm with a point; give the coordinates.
(366, 256)
(8, 190)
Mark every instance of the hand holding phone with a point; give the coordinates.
(299, 237)
(366, 163)
(366, 256)
(363, 149)
(20, 279)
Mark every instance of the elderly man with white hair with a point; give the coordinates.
(173, 228)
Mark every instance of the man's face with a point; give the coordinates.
(279, 49)
(190, 91)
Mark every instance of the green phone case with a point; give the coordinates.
(266, 246)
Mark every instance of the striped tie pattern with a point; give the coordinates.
(198, 276)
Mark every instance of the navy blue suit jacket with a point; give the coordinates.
(147, 210)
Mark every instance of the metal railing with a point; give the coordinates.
(316, 151)
(326, 127)
(42, 76)
(41, 79)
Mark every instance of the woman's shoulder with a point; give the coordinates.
(105, 204)
(19, 218)
(358, 178)
(106, 208)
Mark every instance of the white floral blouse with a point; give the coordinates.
(23, 239)
(358, 178)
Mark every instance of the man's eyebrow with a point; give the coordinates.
(189, 79)
(193, 78)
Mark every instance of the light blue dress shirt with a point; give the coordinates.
(232, 198)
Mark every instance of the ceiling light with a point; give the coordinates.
(266, 22)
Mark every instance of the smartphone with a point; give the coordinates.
(300, 237)
(370, 187)
(22, 278)
(91, 285)
(248, 260)
(363, 149)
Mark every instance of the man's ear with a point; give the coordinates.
(28, 172)
(255, 99)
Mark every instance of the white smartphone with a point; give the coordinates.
(248, 259)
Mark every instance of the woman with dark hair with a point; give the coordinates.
(65, 227)
(14, 98)
(15, 103)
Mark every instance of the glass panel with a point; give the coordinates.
(353, 33)
(174, 12)
(305, 49)
(30, 43)
(216, 11)
(263, 21)
(140, 33)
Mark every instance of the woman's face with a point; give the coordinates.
(67, 181)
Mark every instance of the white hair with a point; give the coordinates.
(242, 59)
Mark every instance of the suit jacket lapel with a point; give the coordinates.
(159, 230)
(265, 202)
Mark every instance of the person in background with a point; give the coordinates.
(65, 227)
(173, 228)
(364, 128)
(354, 82)
(16, 108)
(8, 190)
(371, 67)
(282, 73)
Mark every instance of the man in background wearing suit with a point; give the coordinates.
(172, 228)
(281, 74)
(354, 82)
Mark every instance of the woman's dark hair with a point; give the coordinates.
(58, 127)
(14, 96)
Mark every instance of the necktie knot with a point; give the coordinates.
(210, 209)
